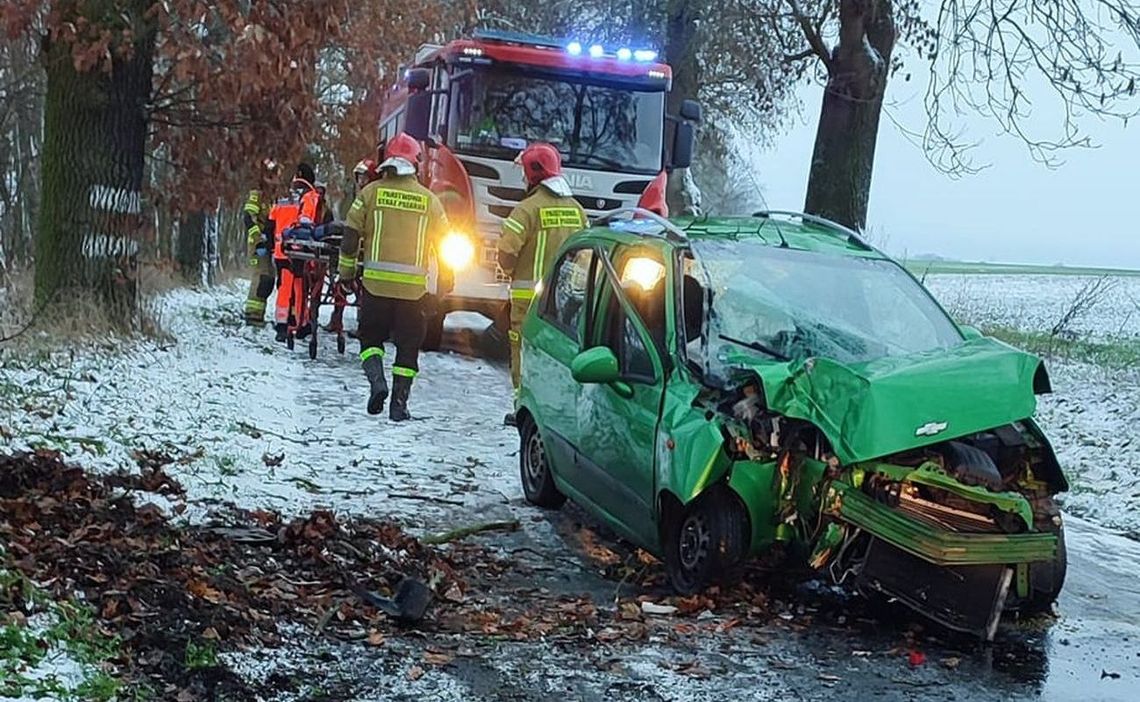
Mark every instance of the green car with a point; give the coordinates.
(718, 389)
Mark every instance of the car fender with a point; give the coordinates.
(690, 447)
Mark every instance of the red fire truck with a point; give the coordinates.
(477, 102)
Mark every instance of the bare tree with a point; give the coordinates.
(986, 57)
(1089, 296)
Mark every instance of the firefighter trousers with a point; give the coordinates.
(260, 287)
(402, 322)
(518, 313)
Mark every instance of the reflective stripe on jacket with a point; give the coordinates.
(394, 226)
(288, 213)
(534, 232)
(253, 216)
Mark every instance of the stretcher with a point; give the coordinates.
(312, 253)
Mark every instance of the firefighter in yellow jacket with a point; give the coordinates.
(533, 233)
(259, 245)
(393, 227)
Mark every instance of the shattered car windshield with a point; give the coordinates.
(792, 304)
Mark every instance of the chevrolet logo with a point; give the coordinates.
(931, 428)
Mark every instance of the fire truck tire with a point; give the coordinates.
(433, 339)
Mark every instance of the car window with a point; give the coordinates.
(562, 305)
(620, 334)
(642, 275)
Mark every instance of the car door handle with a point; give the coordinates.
(622, 388)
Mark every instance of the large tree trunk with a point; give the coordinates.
(681, 54)
(839, 183)
(95, 130)
(191, 243)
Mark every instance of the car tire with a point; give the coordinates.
(1047, 578)
(534, 469)
(707, 541)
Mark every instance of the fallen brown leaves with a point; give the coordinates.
(161, 588)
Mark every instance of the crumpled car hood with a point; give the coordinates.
(874, 409)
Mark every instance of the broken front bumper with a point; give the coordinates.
(937, 546)
(957, 578)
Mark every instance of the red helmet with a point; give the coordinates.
(367, 169)
(539, 162)
(366, 166)
(404, 147)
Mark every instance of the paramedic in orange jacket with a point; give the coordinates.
(303, 203)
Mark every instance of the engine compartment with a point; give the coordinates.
(971, 517)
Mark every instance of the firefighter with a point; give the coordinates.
(364, 173)
(393, 227)
(303, 203)
(255, 222)
(532, 235)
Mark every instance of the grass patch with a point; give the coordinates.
(66, 634)
(200, 655)
(1120, 354)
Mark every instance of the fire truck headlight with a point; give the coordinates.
(574, 48)
(624, 54)
(645, 55)
(596, 51)
(645, 272)
(457, 251)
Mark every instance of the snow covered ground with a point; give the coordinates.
(1034, 303)
(253, 423)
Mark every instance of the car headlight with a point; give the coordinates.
(457, 251)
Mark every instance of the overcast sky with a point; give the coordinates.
(1087, 212)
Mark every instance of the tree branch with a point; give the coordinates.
(814, 40)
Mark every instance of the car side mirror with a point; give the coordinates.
(597, 365)
(970, 332)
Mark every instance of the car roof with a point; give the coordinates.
(781, 230)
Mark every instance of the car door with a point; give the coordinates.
(552, 337)
(618, 422)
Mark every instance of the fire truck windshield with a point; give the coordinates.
(496, 113)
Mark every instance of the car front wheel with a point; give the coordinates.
(706, 542)
(534, 469)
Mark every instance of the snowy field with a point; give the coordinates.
(1034, 303)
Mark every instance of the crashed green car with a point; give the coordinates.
(717, 389)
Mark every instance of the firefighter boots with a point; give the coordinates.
(401, 387)
(282, 331)
(378, 386)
